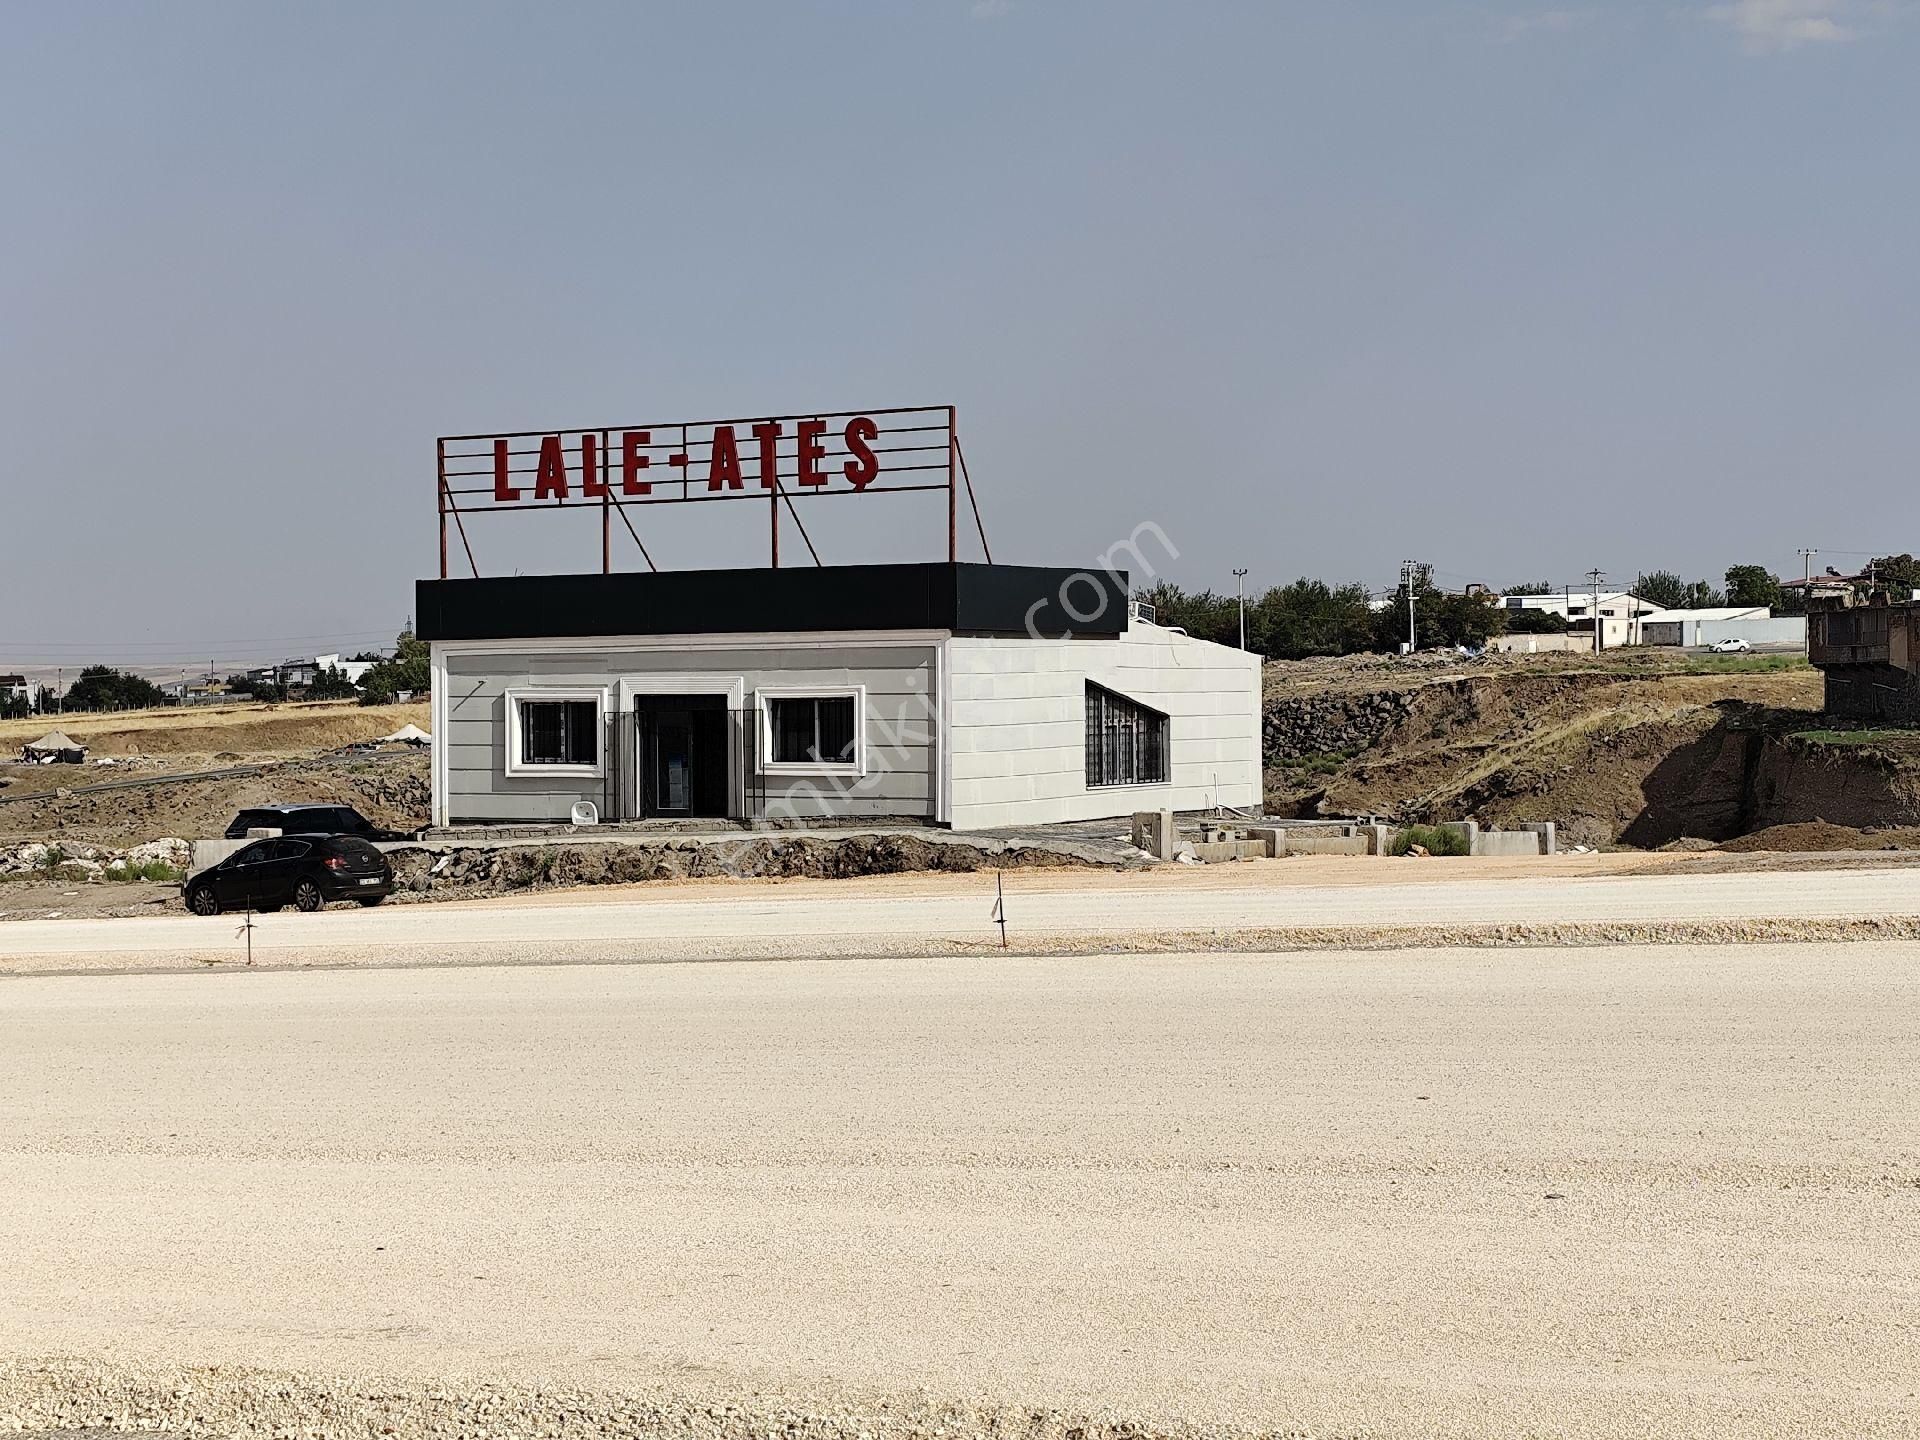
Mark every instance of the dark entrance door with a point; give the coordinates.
(683, 755)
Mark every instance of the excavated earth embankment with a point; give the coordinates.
(1630, 753)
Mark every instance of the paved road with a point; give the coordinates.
(1669, 1190)
(669, 919)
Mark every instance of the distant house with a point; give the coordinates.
(300, 674)
(1620, 612)
(1830, 586)
(15, 687)
(194, 692)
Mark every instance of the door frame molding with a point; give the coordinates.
(733, 687)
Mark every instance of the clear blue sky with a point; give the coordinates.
(1313, 287)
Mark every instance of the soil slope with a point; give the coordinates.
(1640, 749)
(303, 748)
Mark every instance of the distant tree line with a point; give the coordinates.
(406, 671)
(100, 687)
(1311, 617)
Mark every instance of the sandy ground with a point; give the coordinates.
(1597, 1193)
(1271, 903)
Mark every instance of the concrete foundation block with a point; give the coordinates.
(1302, 842)
(1215, 852)
(1469, 830)
(1378, 837)
(1153, 832)
(1274, 837)
(1517, 843)
(204, 853)
(1549, 840)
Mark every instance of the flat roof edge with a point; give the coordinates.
(1045, 602)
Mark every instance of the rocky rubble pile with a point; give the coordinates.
(428, 874)
(91, 862)
(1296, 726)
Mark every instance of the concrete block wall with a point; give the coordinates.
(1778, 630)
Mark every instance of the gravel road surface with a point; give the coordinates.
(1608, 1192)
(914, 913)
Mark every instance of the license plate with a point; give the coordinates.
(374, 881)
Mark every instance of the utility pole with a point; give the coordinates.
(1806, 593)
(1595, 576)
(1240, 594)
(1408, 569)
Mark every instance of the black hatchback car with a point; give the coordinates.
(304, 871)
(307, 819)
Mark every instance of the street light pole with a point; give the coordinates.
(1240, 594)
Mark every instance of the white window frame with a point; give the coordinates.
(769, 766)
(538, 694)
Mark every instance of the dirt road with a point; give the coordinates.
(925, 913)
(1611, 1193)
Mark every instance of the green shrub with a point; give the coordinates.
(155, 870)
(1435, 839)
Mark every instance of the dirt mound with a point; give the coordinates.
(278, 729)
(391, 788)
(1812, 835)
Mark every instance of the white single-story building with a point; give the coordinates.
(1620, 612)
(970, 696)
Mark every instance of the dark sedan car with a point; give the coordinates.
(304, 871)
(307, 819)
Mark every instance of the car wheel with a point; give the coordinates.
(371, 899)
(202, 901)
(307, 896)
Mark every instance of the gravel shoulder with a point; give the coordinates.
(1586, 1193)
(1256, 906)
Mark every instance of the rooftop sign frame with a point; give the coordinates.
(775, 459)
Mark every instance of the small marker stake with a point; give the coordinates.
(1000, 908)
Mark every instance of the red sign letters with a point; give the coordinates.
(565, 466)
(776, 460)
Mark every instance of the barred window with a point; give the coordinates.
(816, 728)
(1126, 742)
(559, 732)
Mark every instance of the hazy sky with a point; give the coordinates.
(1313, 287)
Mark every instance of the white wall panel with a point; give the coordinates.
(1019, 725)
